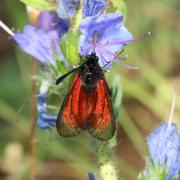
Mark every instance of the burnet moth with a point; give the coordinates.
(87, 105)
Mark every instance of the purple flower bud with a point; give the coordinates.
(105, 35)
(93, 7)
(164, 147)
(48, 21)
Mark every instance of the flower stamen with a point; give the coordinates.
(102, 44)
(126, 65)
(105, 60)
(114, 42)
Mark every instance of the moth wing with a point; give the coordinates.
(101, 121)
(67, 121)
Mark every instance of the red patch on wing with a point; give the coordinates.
(102, 115)
(87, 109)
(70, 109)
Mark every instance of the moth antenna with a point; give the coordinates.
(172, 108)
(61, 78)
(6, 28)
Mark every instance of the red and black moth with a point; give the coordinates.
(87, 105)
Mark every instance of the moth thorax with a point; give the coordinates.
(89, 80)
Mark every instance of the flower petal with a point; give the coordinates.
(164, 147)
(48, 21)
(93, 7)
(43, 42)
(105, 35)
(100, 23)
(67, 8)
(44, 120)
(36, 43)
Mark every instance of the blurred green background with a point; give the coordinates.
(147, 96)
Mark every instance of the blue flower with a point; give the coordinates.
(93, 7)
(42, 42)
(48, 21)
(67, 8)
(44, 120)
(164, 147)
(105, 35)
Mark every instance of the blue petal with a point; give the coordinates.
(48, 21)
(100, 23)
(44, 120)
(41, 104)
(164, 147)
(109, 34)
(105, 26)
(118, 34)
(93, 7)
(48, 117)
(67, 8)
(46, 123)
(37, 43)
(42, 42)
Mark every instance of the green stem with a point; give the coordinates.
(107, 169)
(33, 124)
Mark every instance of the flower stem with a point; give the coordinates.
(33, 123)
(107, 169)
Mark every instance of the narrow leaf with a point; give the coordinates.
(39, 4)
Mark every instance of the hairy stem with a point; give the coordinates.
(33, 123)
(107, 169)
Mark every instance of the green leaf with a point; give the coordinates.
(69, 46)
(152, 172)
(76, 20)
(61, 67)
(39, 4)
(116, 95)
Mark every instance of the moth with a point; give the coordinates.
(87, 105)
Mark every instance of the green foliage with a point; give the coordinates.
(69, 46)
(107, 169)
(39, 4)
(59, 68)
(116, 95)
(117, 6)
(76, 20)
(152, 172)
